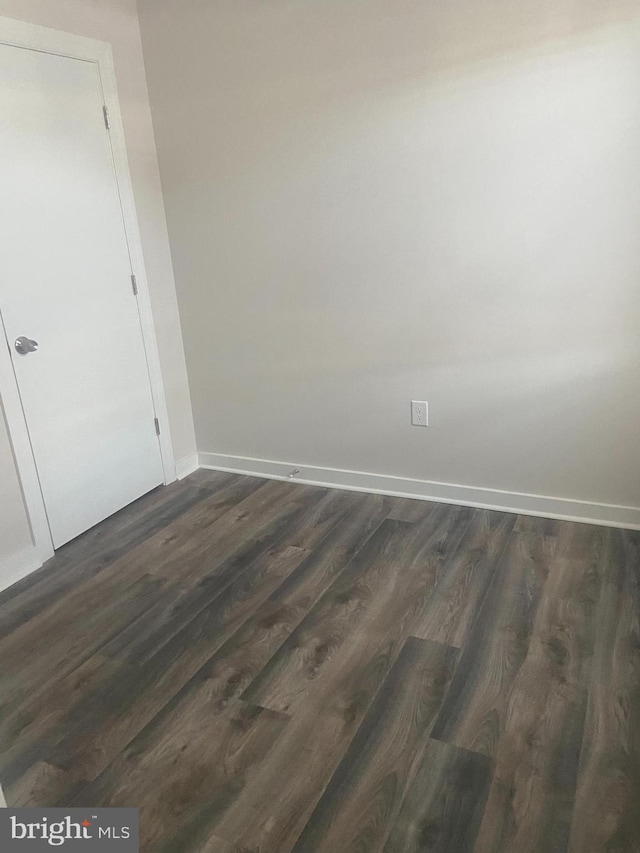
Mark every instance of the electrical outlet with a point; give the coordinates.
(419, 413)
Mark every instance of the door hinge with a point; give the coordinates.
(157, 425)
(134, 284)
(105, 113)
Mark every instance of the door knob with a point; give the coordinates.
(26, 345)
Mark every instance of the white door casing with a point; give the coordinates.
(85, 168)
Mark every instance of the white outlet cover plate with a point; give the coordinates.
(419, 413)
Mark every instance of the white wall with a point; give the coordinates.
(373, 202)
(115, 21)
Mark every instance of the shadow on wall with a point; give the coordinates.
(408, 199)
(294, 55)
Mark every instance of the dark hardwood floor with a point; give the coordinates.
(268, 666)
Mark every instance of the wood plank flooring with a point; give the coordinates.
(278, 668)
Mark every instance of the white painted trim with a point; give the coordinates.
(565, 509)
(19, 566)
(33, 37)
(123, 176)
(187, 465)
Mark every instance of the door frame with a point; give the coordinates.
(34, 37)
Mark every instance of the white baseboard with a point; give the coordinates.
(19, 566)
(565, 509)
(187, 465)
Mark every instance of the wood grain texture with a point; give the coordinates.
(276, 804)
(120, 708)
(305, 520)
(127, 697)
(133, 524)
(364, 795)
(475, 709)
(213, 844)
(388, 581)
(47, 713)
(207, 544)
(336, 702)
(269, 666)
(186, 768)
(59, 641)
(111, 588)
(242, 657)
(536, 759)
(606, 814)
(454, 604)
(443, 807)
(37, 784)
(86, 556)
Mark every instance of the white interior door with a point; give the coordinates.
(65, 282)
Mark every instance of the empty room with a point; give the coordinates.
(322, 534)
